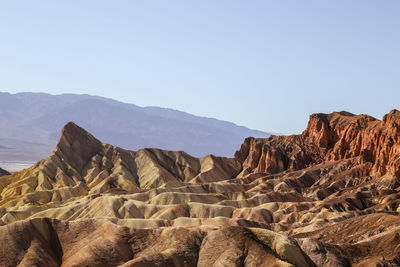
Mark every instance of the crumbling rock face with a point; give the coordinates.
(327, 197)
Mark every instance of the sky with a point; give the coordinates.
(263, 64)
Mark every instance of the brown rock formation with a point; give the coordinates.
(327, 197)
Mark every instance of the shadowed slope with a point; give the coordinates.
(3, 172)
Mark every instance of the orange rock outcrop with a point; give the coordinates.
(328, 137)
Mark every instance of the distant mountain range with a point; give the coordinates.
(31, 124)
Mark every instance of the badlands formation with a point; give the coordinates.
(327, 197)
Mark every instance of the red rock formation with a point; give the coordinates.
(328, 137)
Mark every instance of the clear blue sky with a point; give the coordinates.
(263, 64)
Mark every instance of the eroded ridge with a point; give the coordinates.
(327, 197)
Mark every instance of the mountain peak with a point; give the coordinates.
(77, 145)
(392, 116)
(72, 132)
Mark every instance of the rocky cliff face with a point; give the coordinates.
(327, 197)
(336, 136)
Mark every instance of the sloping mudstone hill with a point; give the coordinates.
(327, 197)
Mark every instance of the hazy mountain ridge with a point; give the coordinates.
(38, 117)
